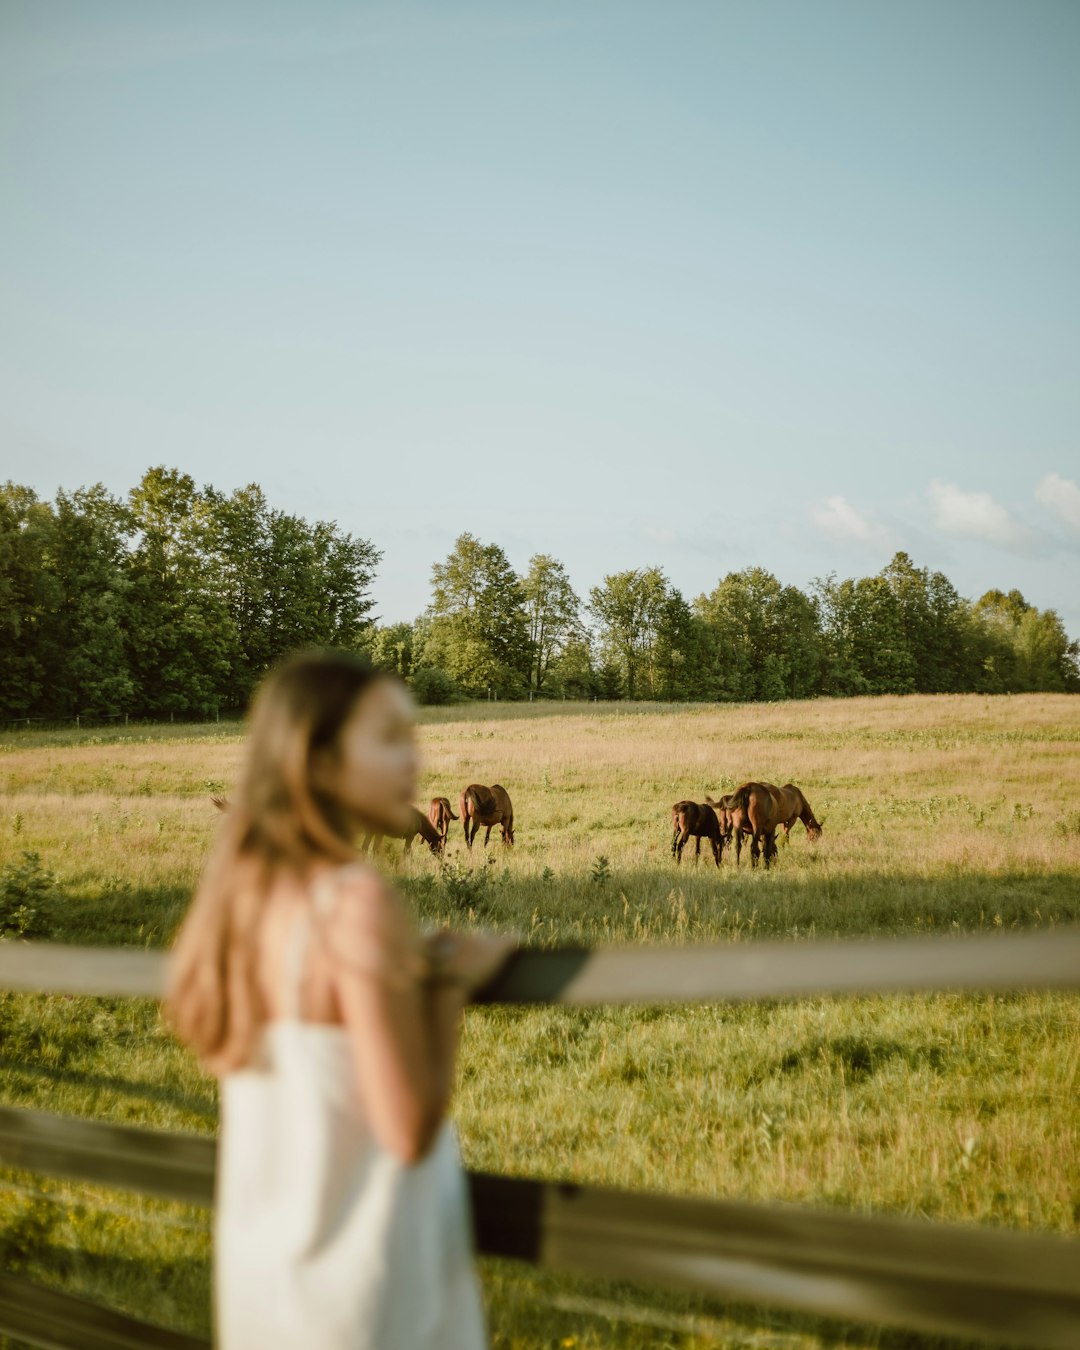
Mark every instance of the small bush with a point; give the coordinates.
(601, 871)
(1069, 826)
(466, 887)
(432, 686)
(24, 886)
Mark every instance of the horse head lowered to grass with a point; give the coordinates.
(759, 810)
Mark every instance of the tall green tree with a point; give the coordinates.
(88, 557)
(865, 642)
(764, 637)
(1027, 650)
(552, 613)
(933, 618)
(478, 627)
(629, 610)
(184, 644)
(31, 650)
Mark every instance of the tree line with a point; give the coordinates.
(175, 600)
(488, 631)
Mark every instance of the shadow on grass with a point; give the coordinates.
(201, 1107)
(661, 904)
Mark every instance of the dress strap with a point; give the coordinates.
(293, 965)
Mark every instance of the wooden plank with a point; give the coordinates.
(153, 1162)
(1009, 1288)
(59, 1321)
(1034, 959)
(945, 1278)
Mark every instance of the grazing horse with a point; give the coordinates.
(419, 824)
(723, 809)
(488, 806)
(699, 820)
(441, 813)
(760, 809)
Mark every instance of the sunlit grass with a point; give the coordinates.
(942, 815)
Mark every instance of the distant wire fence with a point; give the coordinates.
(91, 721)
(977, 1282)
(80, 721)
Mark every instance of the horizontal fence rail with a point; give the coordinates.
(59, 1321)
(1017, 1288)
(1046, 958)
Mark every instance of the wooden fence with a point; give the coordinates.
(995, 1284)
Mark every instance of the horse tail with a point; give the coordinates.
(740, 801)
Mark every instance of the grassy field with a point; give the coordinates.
(941, 814)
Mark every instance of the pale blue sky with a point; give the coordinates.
(695, 284)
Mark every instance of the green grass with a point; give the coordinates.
(942, 815)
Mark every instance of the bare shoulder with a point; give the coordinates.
(368, 920)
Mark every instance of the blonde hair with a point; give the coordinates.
(277, 820)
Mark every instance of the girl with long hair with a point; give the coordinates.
(298, 978)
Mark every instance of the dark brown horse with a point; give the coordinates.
(700, 821)
(760, 809)
(723, 809)
(418, 825)
(441, 813)
(489, 806)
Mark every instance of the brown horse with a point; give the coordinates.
(760, 809)
(723, 809)
(699, 820)
(488, 806)
(419, 824)
(441, 813)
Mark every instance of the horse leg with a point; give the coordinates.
(738, 847)
(674, 840)
(683, 837)
(717, 849)
(770, 847)
(487, 836)
(508, 830)
(755, 849)
(697, 848)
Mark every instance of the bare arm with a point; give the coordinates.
(403, 1026)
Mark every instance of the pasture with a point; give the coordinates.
(941, 814)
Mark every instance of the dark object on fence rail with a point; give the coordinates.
(1042, 958)
(962, 1280)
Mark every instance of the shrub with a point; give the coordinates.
(432, 686)
(24, 886)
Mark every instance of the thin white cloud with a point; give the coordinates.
(841, 522)
(975, 515)
(1061, 497)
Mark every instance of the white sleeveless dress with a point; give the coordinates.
(322, 1239)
